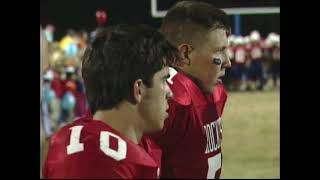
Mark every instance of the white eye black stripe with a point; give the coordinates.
(216, 61)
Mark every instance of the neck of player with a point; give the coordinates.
(124, 119)
(205, 90)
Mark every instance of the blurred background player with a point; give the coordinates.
(272, 56)
(125, 73)
(191, 138)
(254, 66)
(257, 77)
(240, 65)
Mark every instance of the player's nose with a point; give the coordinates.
(227, 63)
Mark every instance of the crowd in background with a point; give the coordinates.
(255, 66)
(63, 93)
(255, 62)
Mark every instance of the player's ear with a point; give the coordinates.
(138, 90)
(184, 51)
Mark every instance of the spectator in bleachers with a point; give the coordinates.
(68, 100)
(50, 106)
(49, 32)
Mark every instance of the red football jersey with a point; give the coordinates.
(191, 138)
(91, 149)
(255, 51)
(240, 54)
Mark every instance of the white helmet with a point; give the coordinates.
(267, 43)
(255, 36)
(231, 39)
(271, 36)
(246, 40)
(272, 39)
(239, 40)
(277, 40)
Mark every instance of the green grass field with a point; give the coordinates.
(251, 135)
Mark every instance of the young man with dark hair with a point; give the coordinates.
(125, 72)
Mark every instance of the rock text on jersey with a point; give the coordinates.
(214, 136)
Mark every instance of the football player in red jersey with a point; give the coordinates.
(125, 72)
(191, 138)
(241, 64)
(255, 52)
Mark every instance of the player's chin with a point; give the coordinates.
(212, 85)
(165, 116)
(160, 123)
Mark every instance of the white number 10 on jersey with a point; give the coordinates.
(75, 145)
